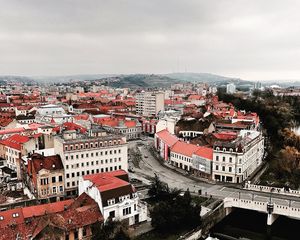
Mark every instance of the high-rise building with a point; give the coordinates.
(230, 88)
(150, 103)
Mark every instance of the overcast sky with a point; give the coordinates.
(250, 39)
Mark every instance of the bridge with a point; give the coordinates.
(273, 207)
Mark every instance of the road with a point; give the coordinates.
(150, 166)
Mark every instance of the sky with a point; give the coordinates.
(249, 39)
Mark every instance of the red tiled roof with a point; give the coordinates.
(184, 148)
(108, 181)
(15, 141)
(167, 137)
(39, 162)
(205, 152)
(225, 135)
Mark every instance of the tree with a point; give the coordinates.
(178, 212)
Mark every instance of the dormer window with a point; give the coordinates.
(15, 215)
(217, 148)
(1, 218)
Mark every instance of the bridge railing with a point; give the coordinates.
(245, 204)
(278, 209)
(261, 188)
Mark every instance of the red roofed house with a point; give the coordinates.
(14, 147)
(59, 220)
(46, 177)
(182, 154)
(132, 129)
(164, 140)
(116, 197)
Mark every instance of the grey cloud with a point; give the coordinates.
(243, 38)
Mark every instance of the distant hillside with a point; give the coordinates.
(19, 79)
(138, 81)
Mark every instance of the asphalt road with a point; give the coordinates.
(149, 166)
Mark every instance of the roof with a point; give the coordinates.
(167, 137)
(184, 148)
(108, 180)
(65, 215)
(111, 184)
(225, 135)
(15, 141)
(205, 152)
(40, 162)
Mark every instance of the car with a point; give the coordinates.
(131, 170)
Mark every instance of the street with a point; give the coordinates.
(149, 166)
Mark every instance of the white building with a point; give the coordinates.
(150, 103)
(230, 88)
(52, 114)
(84, 154)
(234, 161)
(116, 197)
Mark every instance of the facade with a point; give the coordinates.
(46, 177)
(182, 155)
(89, 153)
(234, 161)
(202, 162)
(116, 197)
(150, 103)
(60, 220)
(163, 141)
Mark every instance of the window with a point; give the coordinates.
(53, 179)
(230, 159)
(73, 175)
(67, 157)
(224, 159)
(54, 189)
(112, 214)
(126, 211)
(60, 178)
(61, 188)
(217, 158)
(217, 167)
(240, 170)
(223, 168)
(230, 169)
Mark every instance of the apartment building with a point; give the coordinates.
(116, 197)
(235, 160)
(150, 103)
(89, 153)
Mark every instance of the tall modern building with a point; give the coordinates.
(150, 103)
(230, 88)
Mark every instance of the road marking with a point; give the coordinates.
(222, 188)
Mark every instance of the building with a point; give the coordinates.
(131, 129)
(235, 160)
(16, 146)
(46, 177)
(52, 114)
(182, 155)
(89, 153)
(230, 88)
(60, 220)
(202, 162)
(150, 103)
(116, 197)
(163, 141)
